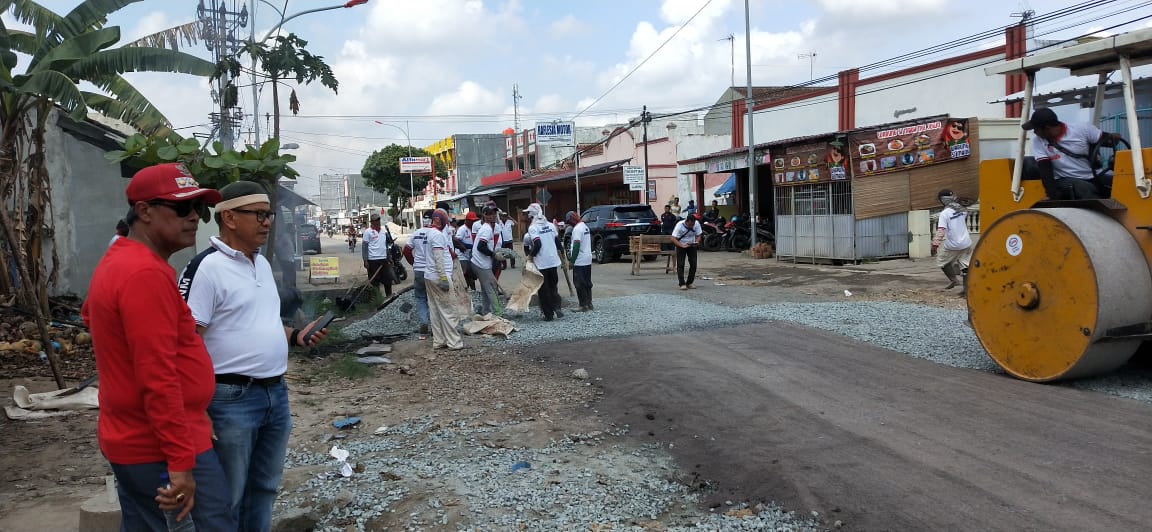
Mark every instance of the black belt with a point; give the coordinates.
(233, 378)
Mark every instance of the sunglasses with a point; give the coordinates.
(957, 127)
(261, 216)
(182, 208)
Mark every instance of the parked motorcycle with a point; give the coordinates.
(737, 235)
(712, 237)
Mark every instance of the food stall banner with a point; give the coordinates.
(818, 161)
(904, 147)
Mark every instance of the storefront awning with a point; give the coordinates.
(728, 187)
(498, 191)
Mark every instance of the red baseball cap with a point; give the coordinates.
(170, 181)
(471, 216)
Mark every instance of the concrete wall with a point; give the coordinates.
(88, 200)
(813, 116)
(477, 156)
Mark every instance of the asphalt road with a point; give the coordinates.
(879, 440)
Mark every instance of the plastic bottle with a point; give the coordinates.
(184, 525)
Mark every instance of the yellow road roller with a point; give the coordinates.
(1060, 288)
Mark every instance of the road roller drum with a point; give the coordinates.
(1047, 285)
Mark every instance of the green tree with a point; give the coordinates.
(61, 52)
(382, 172)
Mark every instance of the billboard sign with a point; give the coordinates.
(416, 165)
(550, 133)
(633, 175)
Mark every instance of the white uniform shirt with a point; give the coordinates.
(546, 234)
(419, 252)
(1076, 139)
(581, 235)
(377, 244)
(506, 230)
(485, 233)
(235, 299)
(437, 240)
(685, 235)
(955, 229)
(464, 234)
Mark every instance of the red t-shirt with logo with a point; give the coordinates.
(156, 378)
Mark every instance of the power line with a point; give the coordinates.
(637, 67)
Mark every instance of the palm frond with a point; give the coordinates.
(147, 120)
(33, 14)
(172, 38)
(68, 52)
(137, 109)
(54, 86)
(23, 42)
(134, 59)
(90, 14)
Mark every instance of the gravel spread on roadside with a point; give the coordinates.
(470, 481)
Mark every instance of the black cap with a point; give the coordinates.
(1042, 117)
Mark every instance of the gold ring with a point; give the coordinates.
(179, 497)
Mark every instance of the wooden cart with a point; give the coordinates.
(641, 245)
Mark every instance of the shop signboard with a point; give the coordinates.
(735, 161)
(812, 162)
(633, 175)
(554, 133)
(323, 268)
(415, 165)
(912, 145)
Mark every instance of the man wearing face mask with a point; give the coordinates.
(540, 246)
(952, 233)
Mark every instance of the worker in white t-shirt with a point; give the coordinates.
(686, 237)
(438, 283)
(952, 245)
(540, 244)
(416, 253)
(506, 238)
(485, 260)
(463, 240)
(580, 256)
(1062, 153)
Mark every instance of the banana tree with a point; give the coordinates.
(59, 53)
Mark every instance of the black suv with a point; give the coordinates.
(611, 225)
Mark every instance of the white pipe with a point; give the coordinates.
(1098, 104)
(1143, 185)
(1025, 112)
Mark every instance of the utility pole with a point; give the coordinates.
(516, 107)
(645, 117)
(731, 38)
(748, 105)
(811, 57)
(219, 26)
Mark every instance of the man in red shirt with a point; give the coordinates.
(156, 378)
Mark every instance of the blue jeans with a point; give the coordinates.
(421, 292)
(252, 425)
(136, 486)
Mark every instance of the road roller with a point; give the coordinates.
(1061, 288)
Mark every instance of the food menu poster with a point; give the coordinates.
(908, 146)
(816, 162)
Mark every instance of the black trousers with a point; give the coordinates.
(380, 273)
(582, 279)
(689, 253)
(549, 294)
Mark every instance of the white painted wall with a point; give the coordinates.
(957, 90)
(816, 115)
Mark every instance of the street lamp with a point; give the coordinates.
(411, 180)
(283, 19)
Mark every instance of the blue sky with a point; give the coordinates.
(448, 66)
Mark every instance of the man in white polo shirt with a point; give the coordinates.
(580, 255)
(416, 253)
(379, 263)
(686, 237)
(1062, 152)
(233, 298)
(484, 260)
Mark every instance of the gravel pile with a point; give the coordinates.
(467, 481)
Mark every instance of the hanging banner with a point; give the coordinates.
(813, 162)
(916, 144)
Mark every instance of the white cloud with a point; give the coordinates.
(874, 9)
(468, 98)
(567, 26)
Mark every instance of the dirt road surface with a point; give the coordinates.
(882, 441)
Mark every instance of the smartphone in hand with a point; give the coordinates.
(324, 321)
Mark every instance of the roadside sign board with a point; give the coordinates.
(323, 268)
(415, 165)
(636, 186)
(634, 175)
(555, 132)
(543, 196)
